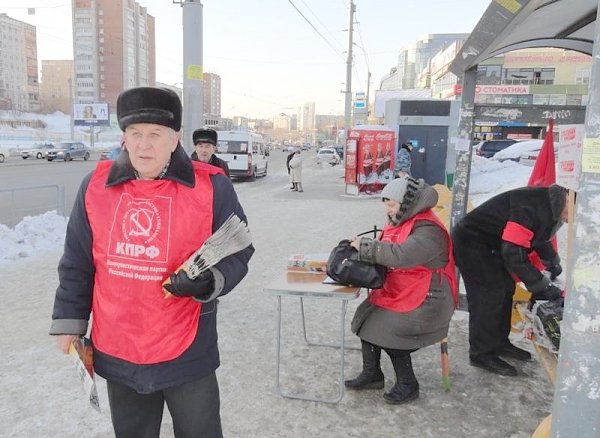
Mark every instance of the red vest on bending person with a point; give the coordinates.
(405, 289)
(142, 231)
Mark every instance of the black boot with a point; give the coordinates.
(371, 376)
(407, 386)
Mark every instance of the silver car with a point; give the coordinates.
(68, 150)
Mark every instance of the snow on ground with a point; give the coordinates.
(40, 396)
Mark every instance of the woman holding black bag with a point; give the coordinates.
(417, 300)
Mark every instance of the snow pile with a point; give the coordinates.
(33, 236)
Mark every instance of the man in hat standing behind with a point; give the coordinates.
(205, 144)
(130, 229)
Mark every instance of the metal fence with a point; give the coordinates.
(18, 202)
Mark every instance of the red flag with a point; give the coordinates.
(544, 175)
(544, 170)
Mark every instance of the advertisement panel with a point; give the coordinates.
(372, 165)
(568, 166)
(91, 114)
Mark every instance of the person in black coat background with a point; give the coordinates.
(491, 247)
(287, 164)
(205, 144)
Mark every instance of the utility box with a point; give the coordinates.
(429, 125)
(369, 159)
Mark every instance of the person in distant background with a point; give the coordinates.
(205, 144)
(403, 160)
(287, 164)
(296, 171)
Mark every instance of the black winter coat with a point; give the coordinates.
(537, 209)
(214, 161)
(72, 305)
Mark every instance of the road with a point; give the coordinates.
(16, 173)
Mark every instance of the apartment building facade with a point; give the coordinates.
(19, 84)
(113, 49)
(56, 86)
(212, 94)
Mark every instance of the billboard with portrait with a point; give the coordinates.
(91, 114)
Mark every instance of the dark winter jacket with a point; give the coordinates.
(535, 210)
(72, 306)
(403, 160)
(214, 161)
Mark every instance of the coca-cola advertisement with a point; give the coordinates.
(372, 165)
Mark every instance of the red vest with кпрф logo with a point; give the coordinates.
(143, 230)
(406, 289)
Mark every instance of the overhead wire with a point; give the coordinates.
(316, 30)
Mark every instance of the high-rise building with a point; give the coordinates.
(113, 47)
(415, 57)
(212, 94)
(19, 87)
(56, 86)
(307, 117)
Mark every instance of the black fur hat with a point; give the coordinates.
(205, 136)
(149, 105)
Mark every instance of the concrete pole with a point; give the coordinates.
(192, 72)
(576, 409)
(460, 187)
(72, 126)
(348, 92)
(368, 87)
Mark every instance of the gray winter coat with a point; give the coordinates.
(426, 245)
(296, 169)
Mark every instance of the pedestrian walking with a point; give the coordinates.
(296, 171)
(403, 160)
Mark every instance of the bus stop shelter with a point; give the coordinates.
(509, 25)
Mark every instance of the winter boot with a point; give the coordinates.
(371, 376)
(407, 387)
(295, 189)
(300, 187)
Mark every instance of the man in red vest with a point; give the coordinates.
(131, 227)
(491, 248)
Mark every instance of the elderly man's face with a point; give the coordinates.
(150, 147)
(204, 151)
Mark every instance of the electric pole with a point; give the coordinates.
(193, 71)
(348, 92)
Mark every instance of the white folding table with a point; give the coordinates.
(310, 285)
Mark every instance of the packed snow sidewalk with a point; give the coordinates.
(40, 395)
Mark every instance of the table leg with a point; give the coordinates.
(319, 344)
(341, 346)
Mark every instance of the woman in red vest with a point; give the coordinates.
(415, 304)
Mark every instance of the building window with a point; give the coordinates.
(582, 75)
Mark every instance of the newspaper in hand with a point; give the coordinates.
(81, 352)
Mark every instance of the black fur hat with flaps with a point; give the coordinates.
(205, 136)
(149, 105)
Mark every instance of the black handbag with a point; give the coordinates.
(344, 267)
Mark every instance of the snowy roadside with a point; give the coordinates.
(40, 396)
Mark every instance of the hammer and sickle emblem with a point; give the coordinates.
(140, 222)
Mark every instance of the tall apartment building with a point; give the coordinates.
(212, 94)
(113, 48)
(415, 57)
(19, 87)
(307, 117)
(55, 86)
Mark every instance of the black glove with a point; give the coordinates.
(182, 286)
(551, 292)
(554, 271)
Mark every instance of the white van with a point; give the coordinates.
(245, 153)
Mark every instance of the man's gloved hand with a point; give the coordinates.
(551, 292)
(182, 286)
(554, 271)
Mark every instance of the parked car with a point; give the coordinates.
(110, 154)
(38, 151)
(488, 148)
(520, 148)
(68, 150)
(529, 158)
(328, 155)
(3, 154)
